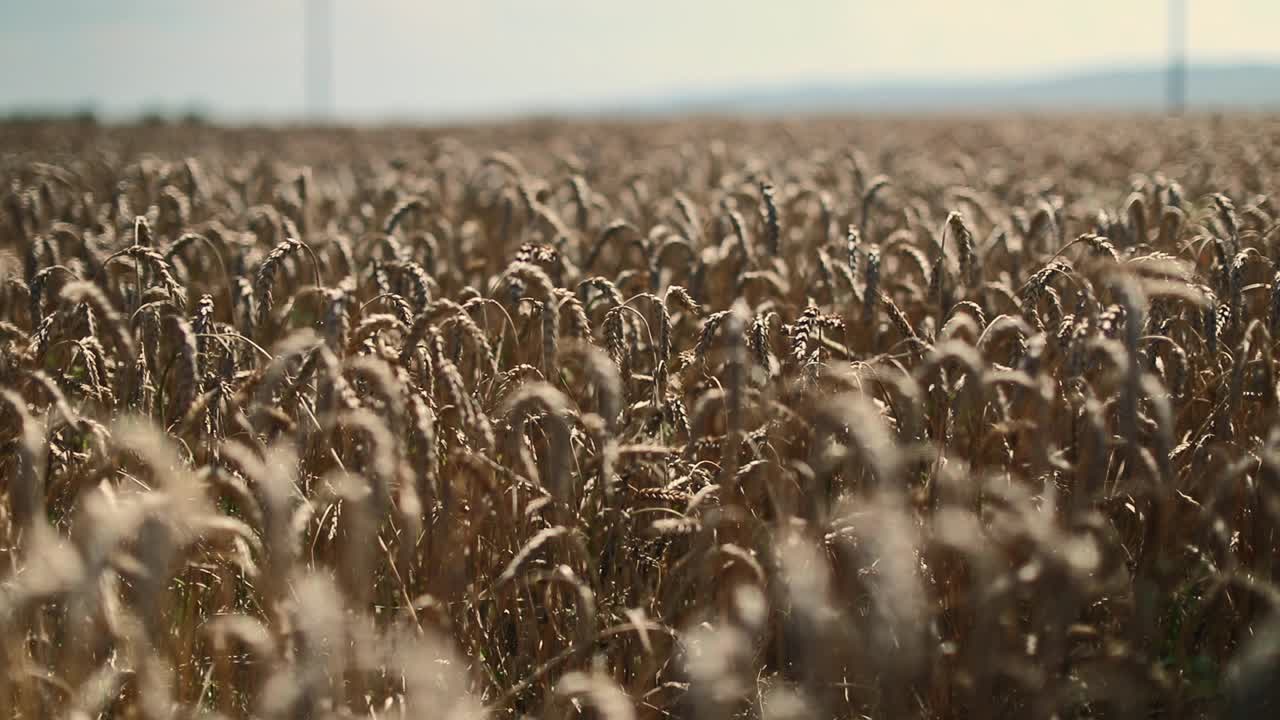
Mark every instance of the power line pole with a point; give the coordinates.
(318, 58)
(1177, 56)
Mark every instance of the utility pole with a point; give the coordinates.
(317, 58)
(1177, 56)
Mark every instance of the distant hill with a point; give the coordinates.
(1208, 87)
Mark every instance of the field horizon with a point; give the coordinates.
(1111, 88)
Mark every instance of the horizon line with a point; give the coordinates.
(700, 99)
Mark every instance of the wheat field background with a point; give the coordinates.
(939, 418)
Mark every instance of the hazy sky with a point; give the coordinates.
(243, 58)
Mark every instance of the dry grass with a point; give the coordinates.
(947, 418)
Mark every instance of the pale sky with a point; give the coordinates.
(449, 58)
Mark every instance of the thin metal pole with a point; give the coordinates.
(1177, 56)
(318, 58)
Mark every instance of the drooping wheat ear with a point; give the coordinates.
(447, 380)
(610, 231)
(1043, 225)
(710, 327)
(370, 327)
(95, 370)
(400, 307)
(524, 272)
(186, 381)
(194, 178)
(579, 325)
(164, 268)
(418, 280)
(739, 229)
(853, 416)
(973, 309)
(27, 481)
(615, 337)
(1256, 217)
(772, 226)
(401, 211)
(475, 421)
(1037, 286)
(243, 307)
(901, 244)
(85, 244)
(964, 242)
(900, 321)
(380, 448)
(1171, 222)
(175, 209)
(40, 252)
(528, 199)
(475, 336)
(381, 280)
(266, 277)
(1101, 246)
(429, 245)
(289, 226)
(672, 245)
(57, 399)
(423, 444)
(1237, 287)
(334, 392)
(550, 310)
(159, 265)
(937, 277)
(1227, 216)
(873, 188)
(380, 381)
(758, 340)
(827, 216)
(35, 290)
(800, 332)
(527, 550)
(1136, 211)
(184, 241)
(424, 326)
(603, 375)
(689, 213)
(271, 480)
(581, 200)
(543, 397)
(604, 286)
(92, 295)
(556, 230)
(871, 289)
(389, 248)
(680, 297)
(1133, 299)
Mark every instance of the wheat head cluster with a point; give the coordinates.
(938, 418)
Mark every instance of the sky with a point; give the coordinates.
(461, 58)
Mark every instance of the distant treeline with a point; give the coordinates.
(88, 115)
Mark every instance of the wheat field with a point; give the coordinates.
(833, 417)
